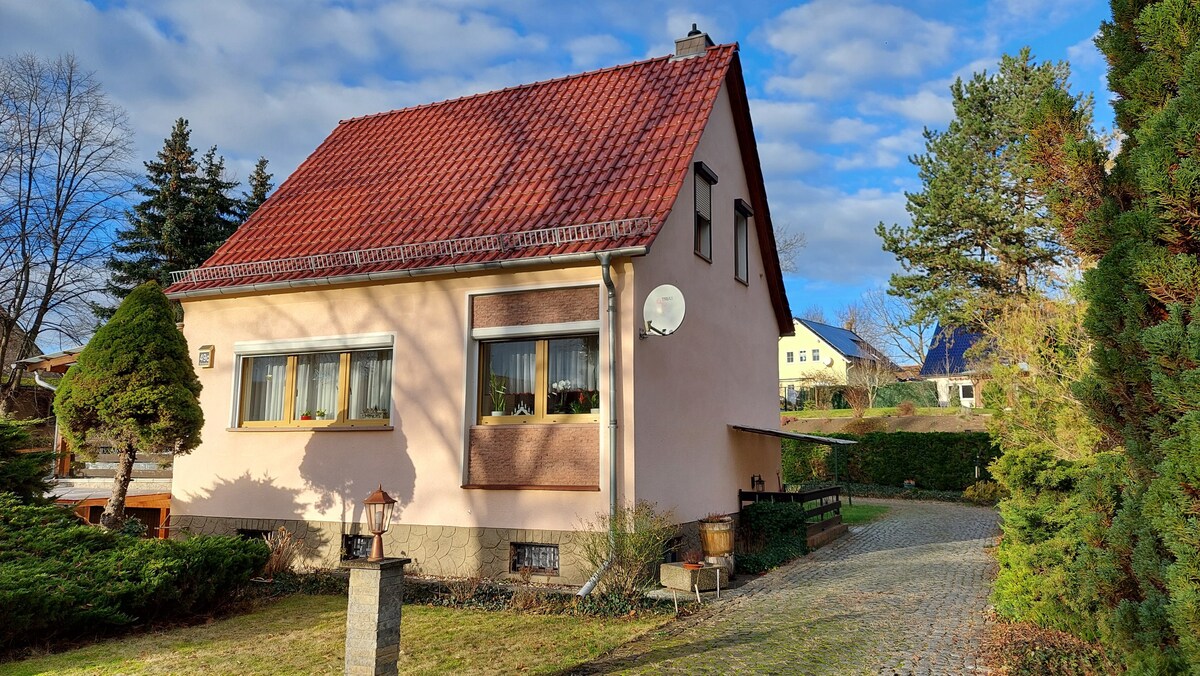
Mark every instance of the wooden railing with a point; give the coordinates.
(826, 514)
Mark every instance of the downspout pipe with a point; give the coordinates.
(606, 274)
(37, 378)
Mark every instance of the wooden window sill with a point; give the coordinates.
(504, 487)
(325, 428)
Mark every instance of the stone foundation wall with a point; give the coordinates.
(445, 551)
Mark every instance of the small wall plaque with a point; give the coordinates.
(205, 360)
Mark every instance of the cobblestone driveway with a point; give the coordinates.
(902, 595)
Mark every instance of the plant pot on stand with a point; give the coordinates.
(716, 540)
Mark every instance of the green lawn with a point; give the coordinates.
(884, 412)
(862, 513)
(305, 635)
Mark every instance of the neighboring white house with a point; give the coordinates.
(946, 364)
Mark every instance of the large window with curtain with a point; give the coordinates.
(540, 380)
(316, 389)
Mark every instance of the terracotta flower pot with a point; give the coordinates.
(693, 566)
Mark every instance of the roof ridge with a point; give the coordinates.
(529, 85)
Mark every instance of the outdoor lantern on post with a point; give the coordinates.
(757, 484)
(379, 517)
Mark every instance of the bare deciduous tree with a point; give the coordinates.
(814, 313)
(64, 156)
(788, 243)
(887, 322)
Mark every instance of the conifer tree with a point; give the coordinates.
(189, 210)
(133, 385)
(1138, 221)
(979, 230)
(260, 186)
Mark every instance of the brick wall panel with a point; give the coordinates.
(562, 456)
(550, 306)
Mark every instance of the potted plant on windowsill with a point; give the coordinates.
(320, 414)
(716, 535)
(594, 401)
(497, 390)
(307, 415)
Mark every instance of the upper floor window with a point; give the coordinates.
(741, 240)
(705, 180)
(790, 357)
(802, 356)
(316, 389)
(540, 380)
(816, 354)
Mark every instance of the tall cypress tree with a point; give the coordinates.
(979, 230)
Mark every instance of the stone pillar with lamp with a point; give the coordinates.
(376, 599)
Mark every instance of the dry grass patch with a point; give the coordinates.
(305, 635)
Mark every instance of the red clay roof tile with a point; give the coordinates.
(608, 145)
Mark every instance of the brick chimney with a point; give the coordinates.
(694, 44)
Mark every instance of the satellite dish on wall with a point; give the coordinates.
(663, 311)
(829, 361)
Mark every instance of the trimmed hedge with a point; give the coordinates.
(940, 461)
(919, 392)
(61, 578)
(776, 532)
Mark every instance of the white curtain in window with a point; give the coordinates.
(515, 363)
(316, 384)
(572, 363)
(265, 382)
(370, 384)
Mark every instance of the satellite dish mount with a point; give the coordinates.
(663, 312)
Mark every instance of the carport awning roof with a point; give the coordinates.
(784, 434)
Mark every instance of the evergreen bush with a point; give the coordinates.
(774, 533)
(62, 578)
(22, 474)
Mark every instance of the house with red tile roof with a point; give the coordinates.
(448, 300)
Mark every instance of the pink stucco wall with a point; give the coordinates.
(324, 475)
(720, 368)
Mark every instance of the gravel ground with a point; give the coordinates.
(905, 594)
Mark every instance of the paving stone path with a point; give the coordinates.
(905, 594)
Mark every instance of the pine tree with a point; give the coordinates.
(979, 230)
(133, 384)
(189, 210)
(260, 186)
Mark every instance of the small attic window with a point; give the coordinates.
(705, 180)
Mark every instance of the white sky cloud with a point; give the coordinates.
(927, 107)
(835, 44)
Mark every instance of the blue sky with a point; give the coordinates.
(840, 90)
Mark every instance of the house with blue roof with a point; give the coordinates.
(949, 366)
(820, 354)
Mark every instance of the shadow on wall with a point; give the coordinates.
(343, 478)
(247, 495)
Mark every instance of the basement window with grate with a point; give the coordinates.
(538, 559)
